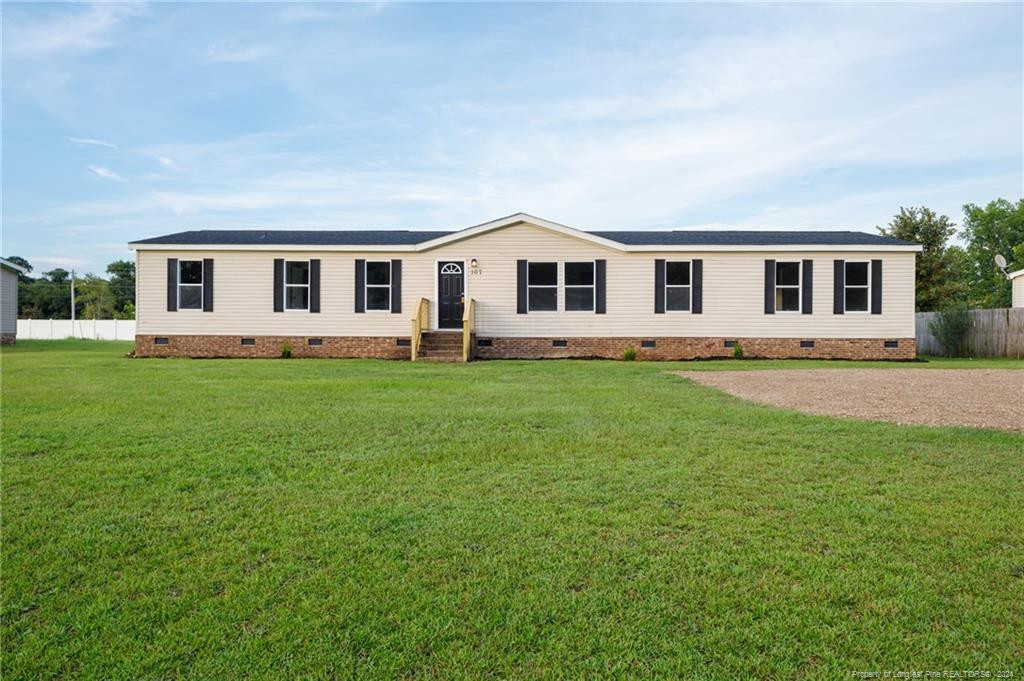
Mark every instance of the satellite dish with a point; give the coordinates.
(1001, 262)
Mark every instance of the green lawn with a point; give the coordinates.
(345, 519)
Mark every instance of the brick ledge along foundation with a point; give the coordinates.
(665, 348)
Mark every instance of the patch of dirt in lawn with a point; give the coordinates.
(981, 398)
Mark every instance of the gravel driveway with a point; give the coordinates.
(983, 398)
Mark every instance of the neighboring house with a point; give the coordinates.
(1017, 281)
(9, 301)
(527, 287)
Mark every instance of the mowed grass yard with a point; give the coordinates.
(375, 519)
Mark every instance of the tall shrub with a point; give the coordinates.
(950, 327)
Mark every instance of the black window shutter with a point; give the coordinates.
(659, 287)
(521, 273)
(697, 282)
(838, 285)
(600, 267)
(807, 286)
(396, 286)
(769, 287)
(360, 286)
(876, 287)
(278, 284)
(207, 284)
(172, 284)
(314, 285)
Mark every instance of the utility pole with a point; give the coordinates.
(72, 298)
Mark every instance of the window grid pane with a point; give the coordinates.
(857, 299)
(579, 274)
(190, 272)
(296, 297)
(542, 274)
(787, 299)
(677, 273)
(856, 274)
(297, 272)
(677, 298)
(190, 297)
(378, 297)
(579, 298)
(543, 298)
(378, 273)
(787, 274)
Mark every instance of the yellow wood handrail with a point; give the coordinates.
(468, 315)
(419, 322)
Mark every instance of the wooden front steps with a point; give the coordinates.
(440, 346)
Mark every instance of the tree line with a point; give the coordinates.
(49, 295)
(963, 276)
(949, 275)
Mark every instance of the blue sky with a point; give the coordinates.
(123, 121)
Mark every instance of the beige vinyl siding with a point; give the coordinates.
(733, 293)
(8, 301)
(1018, 291)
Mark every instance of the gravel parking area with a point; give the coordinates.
(982, 398)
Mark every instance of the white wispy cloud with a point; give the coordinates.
(88, 142)
(67, 28)
(165, 162)
(105, 173)
(233, 51)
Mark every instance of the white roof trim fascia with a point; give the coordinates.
(1014, 275)
(398, 248)
(11, 266)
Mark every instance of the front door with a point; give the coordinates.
(450, 281)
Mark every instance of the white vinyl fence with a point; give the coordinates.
(993, 333)
(57, 329)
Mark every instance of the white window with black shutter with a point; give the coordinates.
(788, 286)
(378, 286)
(579, 286)
(190, 285)
(857, 286)
(296, 285)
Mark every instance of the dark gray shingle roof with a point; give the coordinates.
(282, 237)
(232, 237)
(749, 238)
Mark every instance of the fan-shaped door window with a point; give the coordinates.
(451, 268)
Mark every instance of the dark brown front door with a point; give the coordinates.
(450, 287)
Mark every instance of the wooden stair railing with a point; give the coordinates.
(468, 314)
(419, 322)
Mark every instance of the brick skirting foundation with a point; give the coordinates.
(7, 338)
(673, 348)
(379, 347)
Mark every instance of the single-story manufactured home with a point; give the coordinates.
(525, 287)
(9, 272)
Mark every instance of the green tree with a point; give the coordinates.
(93, 298)
(940, 267)
(122, 283)
(48, 297)
(996, 229)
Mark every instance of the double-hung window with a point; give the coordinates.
(678, 286)
(787, 286)
(857, 293)
(296, 285)
(378, 284)
(190, 284)
(542, 286)
(579, 286)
